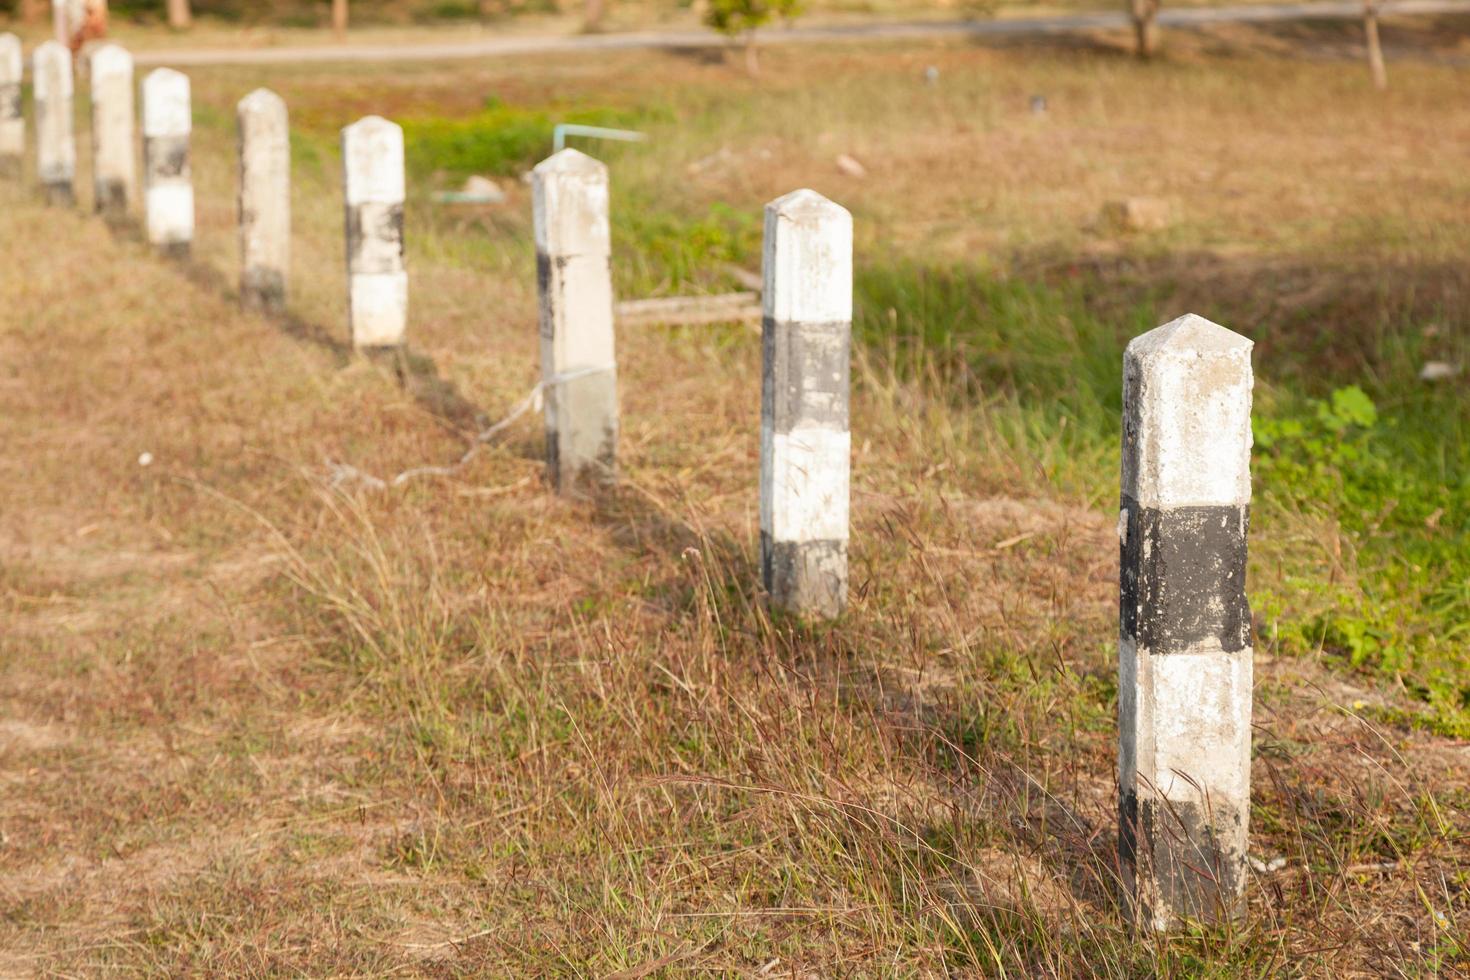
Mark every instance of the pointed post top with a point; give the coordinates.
(372, 127)
(570, 161)
(51, 64)
(1190, 333)
(372, 161)
(51, 49)
(807, 261)
(1187, 416)
(806, 206)
(111, 59)
(262, 100)
(166, 103)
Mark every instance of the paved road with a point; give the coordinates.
(492, 47)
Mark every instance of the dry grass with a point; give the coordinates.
(257, 723)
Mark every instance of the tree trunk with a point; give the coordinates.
(31, 11)
(592, 14)
(490, 8)
(1375, 47)
(180, 16)
(339, 19)
(1145, 15)
(752, 56)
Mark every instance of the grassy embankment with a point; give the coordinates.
(266, 722)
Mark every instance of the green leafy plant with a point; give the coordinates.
(737, 18)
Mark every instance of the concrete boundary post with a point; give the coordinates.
(56, 148)
(806, 443)
(265, 201)
(373, 184)
(114, 148)
(574, 281)
(167, 123)
(1184, 690)
(12, 118)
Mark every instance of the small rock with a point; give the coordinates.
(145, 459)
(1136, 214)
(850, 166)
(483, 189)
(1438, 370)
(931, 75)
(1038, 105)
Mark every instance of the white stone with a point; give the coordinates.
(373, 189)
(578, 356)
(265, 199)
(808, 259)
(168, 179)
(379, 304)
(167, 105)
(114, 146)
(56, 151)
(12, 119)
(372, 159)
(1193, 415)
(806, 497)
(170, 214)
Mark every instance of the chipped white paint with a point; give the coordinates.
(167, 125)
(373, 189)
(12, 118)
(806, 497)
(806, 446)
(114, 144)
(1185, 661)
(578, 358)
(56, 151)
(265, 200)
(807, 258)
(1194, 416)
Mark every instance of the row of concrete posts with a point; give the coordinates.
(1184, 651)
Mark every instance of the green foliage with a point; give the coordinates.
(663, 252)
(501, 139)
(1404, 616)
(735, 17)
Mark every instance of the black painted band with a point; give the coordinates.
(166, 157)
(806, 375)
(805, 574)
(10, 107)
(374, 238)
(1186, 853)
(1182, 579)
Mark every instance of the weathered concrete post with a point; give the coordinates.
(56, 148)
(114, 152)
(167, 123)
(579, 375)
(265, 201)
(377, 292)
(806, 340)
(1184, 689)
(12, 119)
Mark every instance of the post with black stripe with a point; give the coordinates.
(1184, 678)
(806, 443)
(373, 190)
(579, 374)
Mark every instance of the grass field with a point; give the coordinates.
(258, 717)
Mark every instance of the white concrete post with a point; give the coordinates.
(114, 150)
(12, 120)
(56, 148)
(806, 340)
(579, 374)
(377, 291)
(265, 201)
(1184, 687)
(167, 123)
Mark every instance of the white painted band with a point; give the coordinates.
(805, 484)
(379, 308)
(170, 213)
